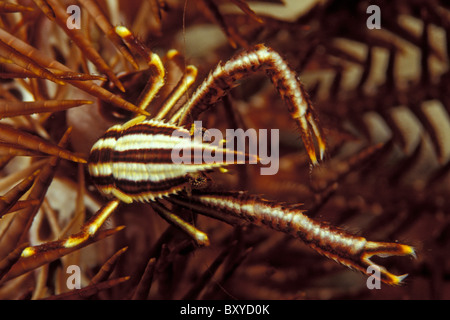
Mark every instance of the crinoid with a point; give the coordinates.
(108, 143)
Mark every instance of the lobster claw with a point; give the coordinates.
(309, 129)
(384, 249)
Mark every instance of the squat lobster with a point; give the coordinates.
(132, 162)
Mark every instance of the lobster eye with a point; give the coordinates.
(134, 83)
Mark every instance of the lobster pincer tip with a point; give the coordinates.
(383, 250)
(310, 131)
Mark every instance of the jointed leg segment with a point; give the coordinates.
(156, 82)
(343, 247)
(260, 58)
(88, 230)
(198, 236)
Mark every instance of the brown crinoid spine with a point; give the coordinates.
(381, 95)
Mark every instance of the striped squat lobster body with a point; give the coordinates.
(134, 161)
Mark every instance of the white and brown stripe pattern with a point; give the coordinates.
(345, 248)
(260, 58)
(134, 161)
